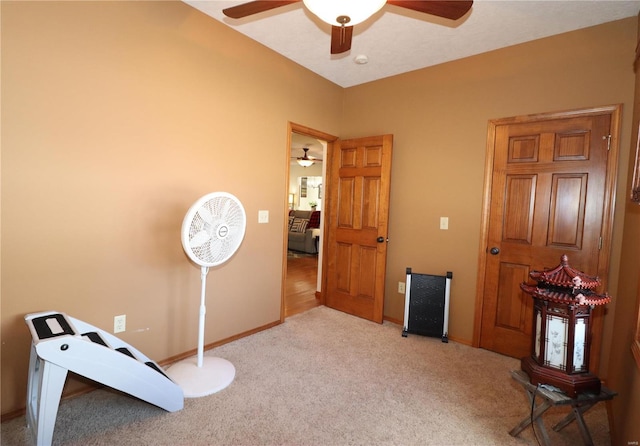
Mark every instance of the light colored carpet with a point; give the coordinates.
(327, 378)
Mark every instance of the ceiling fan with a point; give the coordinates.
(342, 15)
(306, 160)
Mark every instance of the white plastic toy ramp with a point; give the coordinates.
(61, 344)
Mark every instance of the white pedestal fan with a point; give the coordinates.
(212, 231)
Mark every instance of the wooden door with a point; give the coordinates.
(550, 194)
(356, 249)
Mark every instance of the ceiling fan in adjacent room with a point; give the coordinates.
(306, 160)
(342, 15)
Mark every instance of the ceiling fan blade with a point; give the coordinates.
(341, 39)
(247, 9)
(449, 9)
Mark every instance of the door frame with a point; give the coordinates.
(330, 140)
(607, 218)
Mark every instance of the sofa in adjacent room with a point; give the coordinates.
(304, 226)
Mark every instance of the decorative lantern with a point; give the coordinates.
(563, 300)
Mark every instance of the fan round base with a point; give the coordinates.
(214, 375)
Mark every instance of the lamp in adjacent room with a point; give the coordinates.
(305, 163)
(304, 160)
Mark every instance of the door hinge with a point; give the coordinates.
(608, 138)
(599, 243)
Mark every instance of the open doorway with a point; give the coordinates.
(304, 232)
(306, 201)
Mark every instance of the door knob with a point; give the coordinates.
(380, 240)
(494, 251)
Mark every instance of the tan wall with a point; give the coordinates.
(116, 117)
(439, 117)
(624, 375)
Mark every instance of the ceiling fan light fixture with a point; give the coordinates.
(305, 162)
(344, 12)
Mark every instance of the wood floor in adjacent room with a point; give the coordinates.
(302, 271)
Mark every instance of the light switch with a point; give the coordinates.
(263, 216)
(444, 222)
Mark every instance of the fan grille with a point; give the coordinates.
(213, 229)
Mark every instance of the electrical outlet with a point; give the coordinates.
(401, 287)
(263, 216)
(120, 323)
(444, 222)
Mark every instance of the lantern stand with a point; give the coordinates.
(562, 304)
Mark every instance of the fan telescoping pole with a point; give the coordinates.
(203, 311)
(202, 375)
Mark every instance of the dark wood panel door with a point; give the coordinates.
(548, 193)
(360, 177)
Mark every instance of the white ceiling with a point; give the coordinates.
(396, 40)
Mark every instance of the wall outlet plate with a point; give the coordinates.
(120, 323)
(401, 287)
